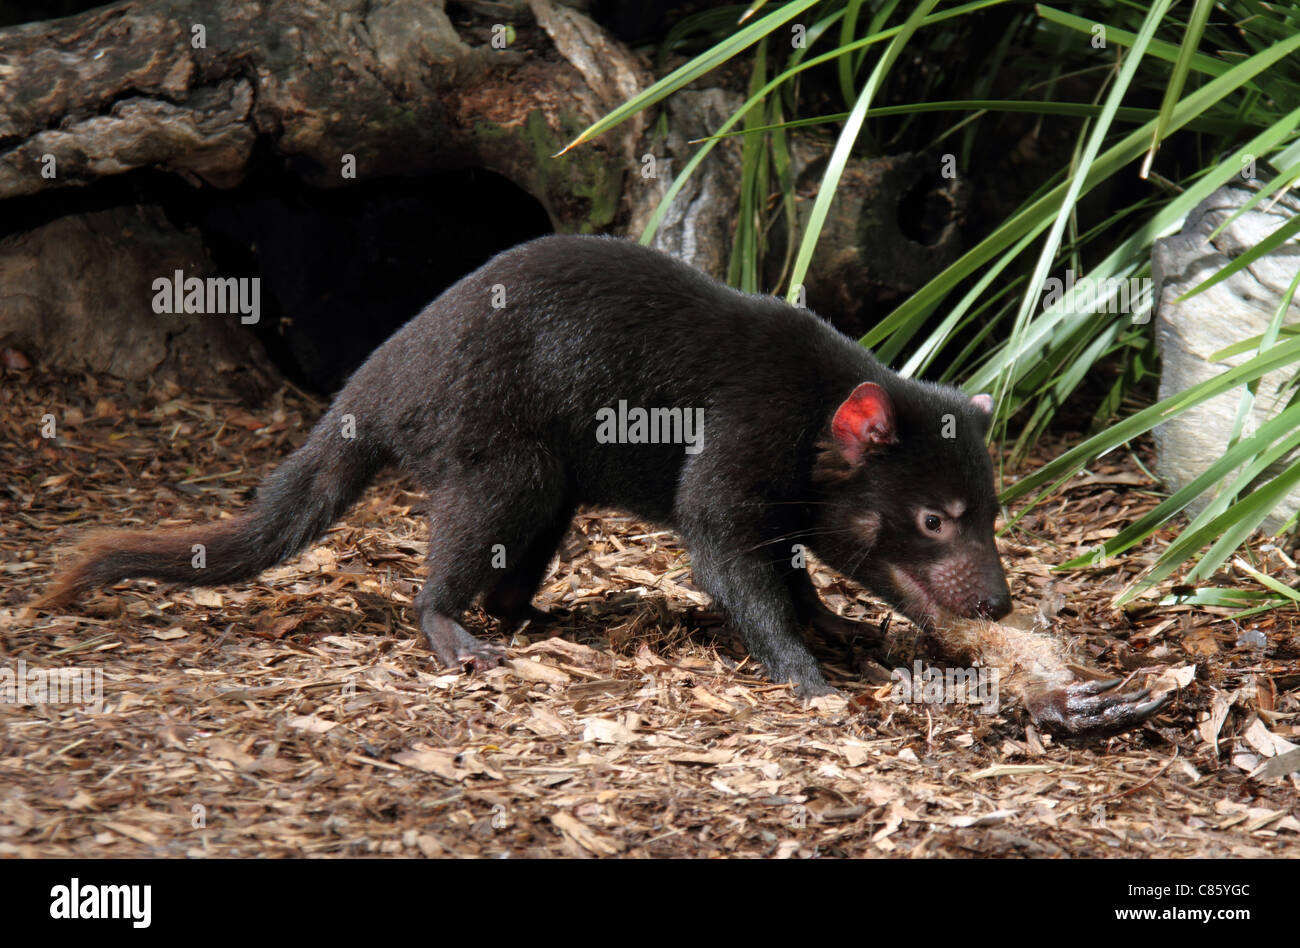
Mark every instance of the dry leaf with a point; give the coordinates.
(604, 731)
(207, 597)
(136, 833)
(311, 723)
(530, 670)
(166, 635)
(586, 837)
(432, 761)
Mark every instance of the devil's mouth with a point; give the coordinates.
(915, 601)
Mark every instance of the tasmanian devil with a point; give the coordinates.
(590, 370)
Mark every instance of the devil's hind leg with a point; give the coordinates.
(481, 525)
(510, 599)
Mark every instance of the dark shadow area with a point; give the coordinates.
(13, 12)
(340, 269)
(925, 210)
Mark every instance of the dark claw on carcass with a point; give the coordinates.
(1096, 687)
(1092, 709)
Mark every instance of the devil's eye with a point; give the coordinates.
(933, 523)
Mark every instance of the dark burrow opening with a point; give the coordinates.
(340, 269)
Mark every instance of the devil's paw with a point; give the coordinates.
(1090, 709)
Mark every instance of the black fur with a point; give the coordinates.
(494, 412)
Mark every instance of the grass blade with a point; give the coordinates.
(844, 145)
(690, 71)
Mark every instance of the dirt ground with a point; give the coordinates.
(300, 715)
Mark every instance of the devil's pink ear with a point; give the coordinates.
(863, 422)
(983, 402)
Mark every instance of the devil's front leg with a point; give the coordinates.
(738, 532)
(754, 594)
(812, 611)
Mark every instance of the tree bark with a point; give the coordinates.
(181, 87)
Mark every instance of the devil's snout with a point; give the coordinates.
(996, 599)
(969, 583)
(994, 606)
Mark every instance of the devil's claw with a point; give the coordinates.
(482, 656)
(456, 647)
(1091, 709)
(836, 627)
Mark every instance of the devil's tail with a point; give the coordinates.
(293, 506)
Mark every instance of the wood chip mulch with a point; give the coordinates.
(300, 715)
